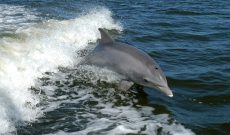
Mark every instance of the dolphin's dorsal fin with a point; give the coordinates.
(105, 38)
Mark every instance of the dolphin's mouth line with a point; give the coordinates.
(157, 85)
(166, 90)
(163, 88)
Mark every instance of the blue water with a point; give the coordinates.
(189, 39)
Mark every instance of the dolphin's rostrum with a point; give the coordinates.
(134, 64)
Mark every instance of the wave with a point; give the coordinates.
(175, 11)
(35, 49)
(33, 85)
(84, 108)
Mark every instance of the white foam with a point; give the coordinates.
(105, 117)
(35, 50)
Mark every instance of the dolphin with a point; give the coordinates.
(135, 65)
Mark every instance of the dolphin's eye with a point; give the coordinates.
(145, 80)
(156, 68)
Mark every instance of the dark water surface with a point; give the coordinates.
(189, 39)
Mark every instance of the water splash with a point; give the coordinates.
(36, 49)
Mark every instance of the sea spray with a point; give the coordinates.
(36, 49)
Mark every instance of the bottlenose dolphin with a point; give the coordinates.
(136, 65)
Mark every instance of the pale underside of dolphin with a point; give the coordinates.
(136, 65)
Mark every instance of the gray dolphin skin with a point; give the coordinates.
(136, 65)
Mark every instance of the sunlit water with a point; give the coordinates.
(43, 92)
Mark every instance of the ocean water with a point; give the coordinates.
(43, 92)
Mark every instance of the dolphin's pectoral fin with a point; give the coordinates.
(125, 85)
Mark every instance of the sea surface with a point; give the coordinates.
(42, 91)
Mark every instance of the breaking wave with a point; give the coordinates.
(31, 83)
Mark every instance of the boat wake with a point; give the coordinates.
(35, 91)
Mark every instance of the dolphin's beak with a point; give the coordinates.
(166, 90)
(162, 87)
